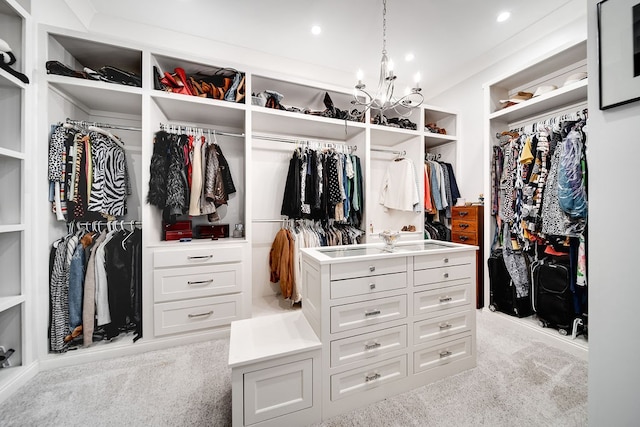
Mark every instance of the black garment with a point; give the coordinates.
(455, 192)
(124, 280)
(158, 171)
(177, 185)
(227, 180)
(291, 202)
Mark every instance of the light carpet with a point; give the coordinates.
(517, 382)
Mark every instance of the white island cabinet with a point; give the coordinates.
(389, 321)
(374, 323)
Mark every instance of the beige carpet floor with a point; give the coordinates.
(518, 382)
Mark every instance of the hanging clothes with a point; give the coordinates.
(399, 187)
(323, 185)
(88, 175)
(188, 175)
(541, 195)
(285, 261)
(95, 287)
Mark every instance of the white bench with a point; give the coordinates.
(275, 371)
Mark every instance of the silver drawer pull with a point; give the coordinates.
(372, 285)
(373, 377)
(446, 260)
(445, 325)
(372, 312)
(445, 299)
(372, 268)
(445, 353)
(463, 225)
(199, 282)
(200, 257)
(208, 313)
(445, 275)
(372, 346)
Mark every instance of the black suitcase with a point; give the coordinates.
(502, 294)
(553, 300)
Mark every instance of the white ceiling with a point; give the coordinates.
(446, 36)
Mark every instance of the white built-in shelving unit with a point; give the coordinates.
(552, 69)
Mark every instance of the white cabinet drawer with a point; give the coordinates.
(368, 268)
(367, 285)
(278, 390)
(368, 377)
(442, 260)
(181, 283)
(369, 345)
(436, 300)
(442, 326)
(443, 274)
(366, 313)
(181, 257)
(195, 314)
(441, 354)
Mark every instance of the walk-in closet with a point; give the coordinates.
(349, 201)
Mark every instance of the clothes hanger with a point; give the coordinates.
(107, 134)
(128, 235)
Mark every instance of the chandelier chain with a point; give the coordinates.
(384, 26)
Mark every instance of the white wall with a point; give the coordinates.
(614, 285)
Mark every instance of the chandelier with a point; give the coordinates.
(384, 100)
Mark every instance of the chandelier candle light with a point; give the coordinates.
(383, 100)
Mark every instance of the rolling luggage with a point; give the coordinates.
(553, 299)
(503, 295)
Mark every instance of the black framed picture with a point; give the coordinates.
(619, 52)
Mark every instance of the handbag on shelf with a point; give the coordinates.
(116, 75)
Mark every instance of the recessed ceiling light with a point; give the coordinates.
(503, 16)
(315, 30)
(409, 57)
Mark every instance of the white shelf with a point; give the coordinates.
(5, 152)
(388, 136)
(268, 120)
(10, 302)
(99, 96)
(11, 228)
(561, 97)
(7, 80)
(193, 109)
(436, 139)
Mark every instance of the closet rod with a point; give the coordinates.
(84, 123)
(168, 127)
(383, 150)
(573, 109)
(115, 222)
(303, 141)
(270, 220)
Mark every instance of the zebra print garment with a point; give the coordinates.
(110, 186)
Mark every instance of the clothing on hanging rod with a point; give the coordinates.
(88, 223)
(574, 112)
(86, 124)
(326, 144)
(184, 128)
